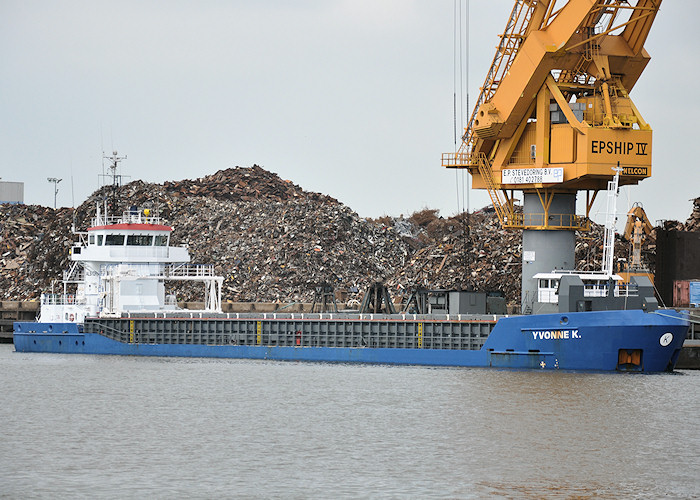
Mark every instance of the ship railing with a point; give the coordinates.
(190, 271)
(594, 274)
(126, 218)
(627, 290)
(75, 274)
(61, 299)
(172, 271)
(601, 290)
(597, 290)
(591, 290)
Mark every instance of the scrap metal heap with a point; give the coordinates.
(273, 241)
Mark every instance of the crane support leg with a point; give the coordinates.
(545, 250)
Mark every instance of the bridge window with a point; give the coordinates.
(139, 240)
(161, 240)
(91, 239)
(114, 239)
(99, 240)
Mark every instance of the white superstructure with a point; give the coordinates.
(596, 284)
(120, 265)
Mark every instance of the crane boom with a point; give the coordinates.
(637, 214)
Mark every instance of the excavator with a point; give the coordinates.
(637, 229)
(555, 117)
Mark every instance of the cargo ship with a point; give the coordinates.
(554, 114)
(114, 301)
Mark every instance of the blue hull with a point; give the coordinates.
(587, 341)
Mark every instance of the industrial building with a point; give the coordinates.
(11, 192)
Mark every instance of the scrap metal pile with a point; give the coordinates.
(692, 224)
(34, 246)
(274, 242)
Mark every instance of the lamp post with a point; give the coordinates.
(55, 188)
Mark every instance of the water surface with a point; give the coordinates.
(115, 427)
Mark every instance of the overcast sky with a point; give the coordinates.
(353, 99)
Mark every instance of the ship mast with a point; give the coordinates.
(610, 220)
(115, 180)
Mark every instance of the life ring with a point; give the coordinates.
(70, 299)
(71, 317)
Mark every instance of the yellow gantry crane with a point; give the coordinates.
(554, 114)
